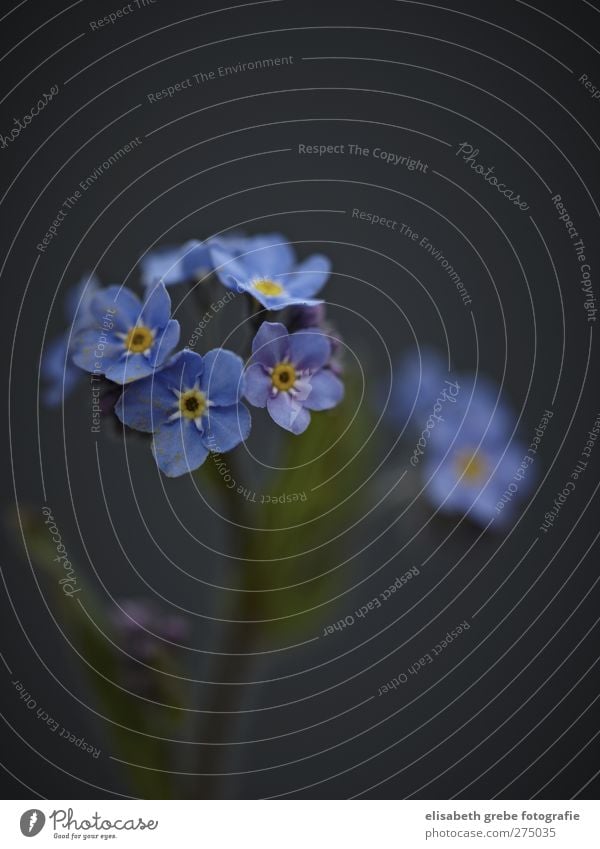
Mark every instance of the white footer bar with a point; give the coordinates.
(301, 824)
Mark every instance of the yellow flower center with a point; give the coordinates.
(139, 339)
(283, 376)
(268, 287)
(471, 467)
(192, 403)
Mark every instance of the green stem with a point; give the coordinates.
(232, 666)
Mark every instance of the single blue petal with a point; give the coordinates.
(234, 243)
(79, 298)
(94, 350)
(161, 266)
(54, 357)
(276, 302)
(222, 380)
(117, 305)
(271, 344)
(226, 427)
(53, 394)
(164, 343)
(309, 277)
(487, 411)
(157, 307)
(126, 369)
(175, 264)
(231, 269)
(417, 380)
(185, 371)
(270, 255)
(178, 448)
(309, 349)
(326, 391)
(196, 259)
(483, 506)
(441, 479)
(258, 385)
(60, 374)
(288, 413)
(147, 404)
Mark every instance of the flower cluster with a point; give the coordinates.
(466, 447)
(192, 404)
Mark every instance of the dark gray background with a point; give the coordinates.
(457, 79)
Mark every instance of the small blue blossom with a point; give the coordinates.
(59, 371)
(468, 455)
(192, 406)
(268, 270)
(472, 459)
(129, 339)
(288, 375)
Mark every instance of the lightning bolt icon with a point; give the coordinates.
(32, 820)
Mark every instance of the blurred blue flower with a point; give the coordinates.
(192, 406)
(129, 339)
(472, 458)
(468, 455)
(58, 369)
(268, 270)
(288, 375)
